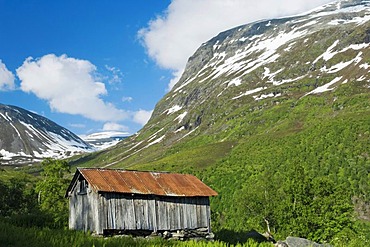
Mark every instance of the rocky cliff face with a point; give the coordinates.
(26, 137)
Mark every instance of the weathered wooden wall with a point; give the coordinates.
(83, 210)
(96, 212)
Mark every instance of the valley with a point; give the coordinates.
(275, 116)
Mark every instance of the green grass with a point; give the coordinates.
(12, 236)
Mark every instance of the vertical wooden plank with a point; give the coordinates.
(133, 214)
(109, 216)
(195, 215)
(127, 215)
(100, 219)
(95, 211)
(84, 212)
(185, 212)
(180, 212)
(200, 212)
(112, 211)
(104, 212)
(203, 203)
(165, 215)
(154, 214)
(162, 215)
(142, 215)
(159, 214)
(137, 213)
(119, 211)
(174, 217)
(209, 218)
(190, 213)
(146, 215)
(88, 211)
(72, 212)
(170, 215)
(149, 215)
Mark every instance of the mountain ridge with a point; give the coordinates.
(27, 138)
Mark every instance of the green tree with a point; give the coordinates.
(331, 209)
(16, 196)
(51, 190)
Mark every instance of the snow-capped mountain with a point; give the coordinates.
(26, 137)
(266, 63)
(105, 139)
(279, 58)
(325, 48)
(233, 81)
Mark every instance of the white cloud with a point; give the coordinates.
(77, 125)
(6, 78)
(142, 116)
(116, 74)
(127, 99)
(69, 86)
(114, 127)
(173, 37)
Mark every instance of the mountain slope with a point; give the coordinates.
(275, 116)
(26, 137)
(247, 71)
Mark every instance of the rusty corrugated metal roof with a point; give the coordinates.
(147, 183)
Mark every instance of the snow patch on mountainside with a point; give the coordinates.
(236, 82)
(5, 155)
(352, 9)
(232, 58)
(356, 20)
(337, 67)
(264, 96)
(103, 135)
(329, 53)
(105, 139)
(267, 45)
(256, 90)
(158, 140)
(181, 117)
(180, 129)
(365, 66)
(173, 109)
(267, 73)
(325, 87)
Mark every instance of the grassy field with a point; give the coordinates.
(13, 236)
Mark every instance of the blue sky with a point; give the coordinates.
(92, 65)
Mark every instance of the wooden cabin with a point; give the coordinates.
(105, 200)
